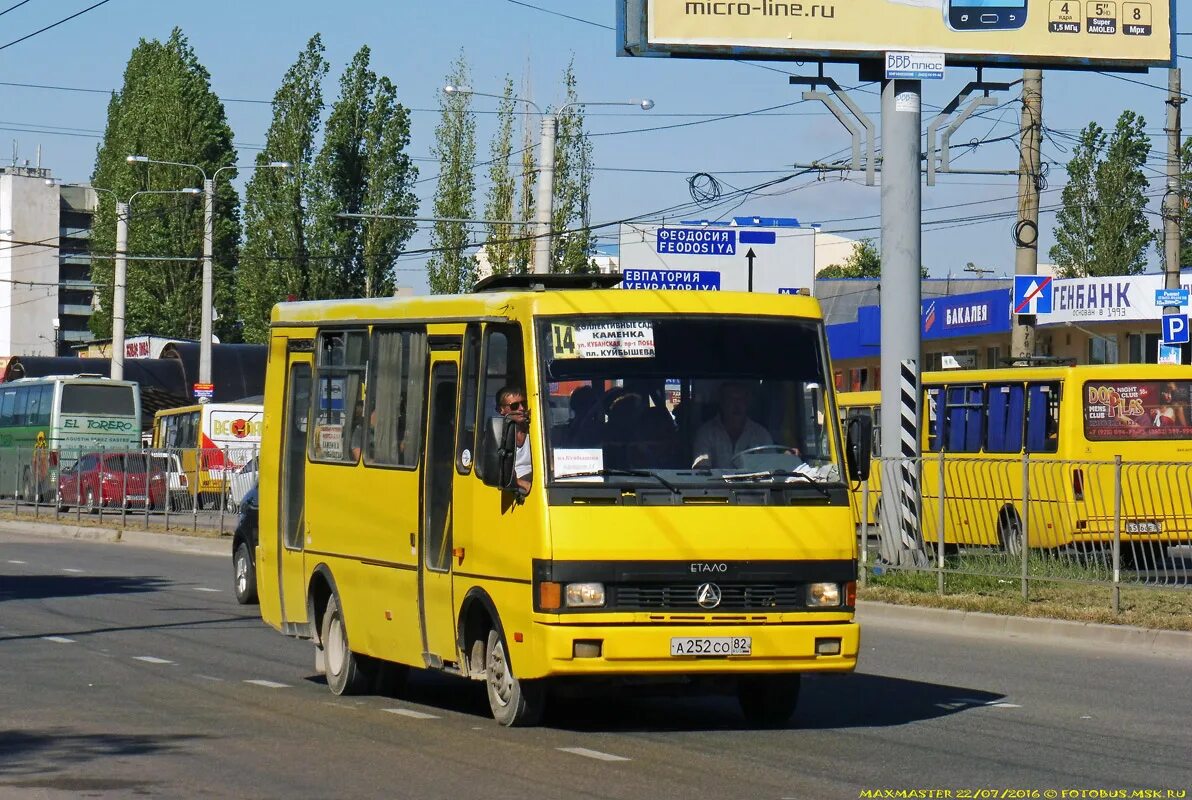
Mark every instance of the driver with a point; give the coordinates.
(730, 431)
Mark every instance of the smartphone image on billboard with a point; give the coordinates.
(985, 15)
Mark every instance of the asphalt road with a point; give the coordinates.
(133, 672)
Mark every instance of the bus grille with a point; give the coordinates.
(734, 597)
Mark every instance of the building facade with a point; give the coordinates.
(29, 317)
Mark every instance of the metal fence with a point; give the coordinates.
(188, 488)
(1028, 519)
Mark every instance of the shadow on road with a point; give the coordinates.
(41, 587)
(38, 752)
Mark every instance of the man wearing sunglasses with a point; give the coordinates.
(511, 403)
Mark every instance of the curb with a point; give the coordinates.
(979, 622)
(138, 538)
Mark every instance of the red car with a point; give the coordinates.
(112, 480)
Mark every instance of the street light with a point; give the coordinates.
(120, 274)
(208, 247)
(546, 179)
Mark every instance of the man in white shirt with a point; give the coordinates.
(511, 403)
(730, 431)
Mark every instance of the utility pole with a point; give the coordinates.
(119, 284)
(1026, 231)
(1172, 201)
(546, 195)
(902, 246)
(208, 302)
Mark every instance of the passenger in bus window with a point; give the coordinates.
(730, 431)
(511, 403)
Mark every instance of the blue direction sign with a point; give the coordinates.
(1175, 329)
(688, 279)
(1032, 294)
(1171, 297)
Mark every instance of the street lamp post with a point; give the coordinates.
(545, 212)
(208, 301)
(120, 277)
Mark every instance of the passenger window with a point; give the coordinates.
(964, 416)
(465, 446)
(1043, 418)
(1004, 418)
(398, 389)
(7, 405)
(47, 405)
(20, 414)
(935, 419)
(502, 366)
(338, 398)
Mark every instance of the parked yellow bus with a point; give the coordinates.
(1072, 422)
(212, 440)
(524, 487)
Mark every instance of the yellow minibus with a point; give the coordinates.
(1072, 422)
(212, 441)
(551, 480)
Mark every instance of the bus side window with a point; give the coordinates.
(20, 414)
(7, 406)
(465, 446)
(339, 415)
(397, 381)
(1004, 419)
(933, 400)
(964, 418)
(1043, 418)
(47, 404)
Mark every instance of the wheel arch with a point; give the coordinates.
(477, 615)
(319, 589)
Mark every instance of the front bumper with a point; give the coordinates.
(645, 649)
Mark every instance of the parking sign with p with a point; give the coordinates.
(1175, 329)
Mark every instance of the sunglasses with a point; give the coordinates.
(516, 405)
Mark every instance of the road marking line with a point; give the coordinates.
(58, 639)
(205, 589)
(70, 569)
(268, 684)
(596, 754)
(1004, 705)
(14, 561)
(152, 660)
(411, 713)
(209, 678)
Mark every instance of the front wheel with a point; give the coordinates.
(513, 702)
(246, 576)
(768, 701)
(344, 673)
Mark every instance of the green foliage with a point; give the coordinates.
(165, 110)
(451, 270)
(573, 241)
(502, 191)
(275, 261)
(1102, 228)
(1186, 196)
(863, 262)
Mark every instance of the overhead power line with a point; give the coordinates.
(13, 7)
(54, 24)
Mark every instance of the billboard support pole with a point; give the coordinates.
(1173, 205)
(902, 210)
(1026, 231)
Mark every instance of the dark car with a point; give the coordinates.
(244, 549)
(111, 480)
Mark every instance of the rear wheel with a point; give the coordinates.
(246, 576)
(344, 673)
(768, 701)
(513, 702)
(1009, 532)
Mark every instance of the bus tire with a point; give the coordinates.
(1009, 532)
(246, 576)
(768, 701)
(513, 702)
(344, 675)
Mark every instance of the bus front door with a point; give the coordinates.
(291, 577)
(438, 608)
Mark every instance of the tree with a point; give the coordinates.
(450, 270)
(1102, 228)
(165, 110)
(1186, 198)
(863, 262)
(573, 241)
(502, 191)
(275, 262)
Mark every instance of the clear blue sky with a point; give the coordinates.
(247, 46)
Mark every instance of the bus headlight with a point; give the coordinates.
(823, 594)
(585, 595)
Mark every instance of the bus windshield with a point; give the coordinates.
(98, 400)
(686, 399)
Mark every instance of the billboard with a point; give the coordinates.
(1126, 34)
(702, 256)
(1116, 298)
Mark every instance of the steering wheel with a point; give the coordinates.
(765, 448)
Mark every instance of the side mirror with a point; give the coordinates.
(500, 449)
(859, 447)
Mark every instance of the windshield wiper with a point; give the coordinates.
(771, 474)
(629, 473)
